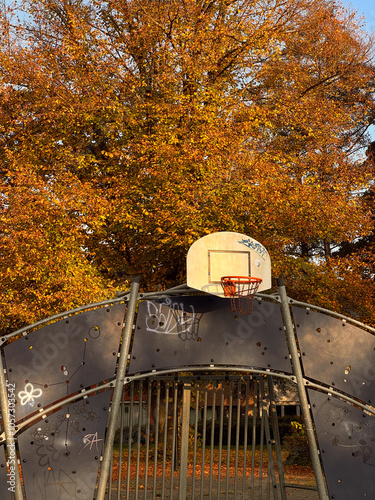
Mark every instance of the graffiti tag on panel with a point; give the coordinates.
(171, 318)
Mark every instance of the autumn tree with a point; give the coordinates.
(136, 127)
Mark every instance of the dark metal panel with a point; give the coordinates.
(201, 330)
(346, 439)
(6, 479)
(336, 353)
(64, 357)
(60, 455)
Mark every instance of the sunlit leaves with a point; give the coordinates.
(136, 127)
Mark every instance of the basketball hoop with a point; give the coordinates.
(241, 290)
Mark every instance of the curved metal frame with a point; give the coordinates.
(121, 379)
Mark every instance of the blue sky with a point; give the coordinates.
(364, 8)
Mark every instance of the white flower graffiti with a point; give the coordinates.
(29, 394)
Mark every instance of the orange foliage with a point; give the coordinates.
(130, 129)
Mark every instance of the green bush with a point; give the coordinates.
(297, 445)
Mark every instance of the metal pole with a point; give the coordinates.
(275, 426)
(117, 393)
(10, 444)
(271, 466)
(184, 440)
(297, 370)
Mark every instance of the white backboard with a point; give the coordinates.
(226, 254)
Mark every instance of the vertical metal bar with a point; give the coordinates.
(297, 370)
(276, 434)
(204, 439)
(110, 480)
(130, 440)
(271, 479)
(237, 435)
(121, 442)
(148, 430)
(229, 437)
(221, 424)
(271, 467)
(254, 438)
(245, 432)
(156, 439)
(117, 393)
(212, 439)
(165, 438)
(261, 397)
(140, 408)
(9, 438)
(174, 458)
(186, 397)
(197, 398)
